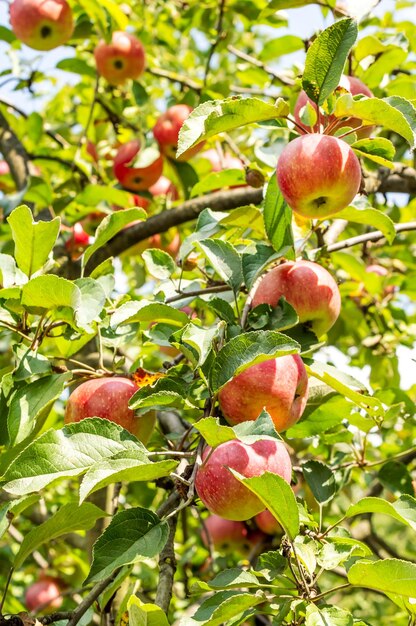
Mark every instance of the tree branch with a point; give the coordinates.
(401, 179)
(14, 154)
(167, 568)
(91, 598)
(285, 80)
(376, 235)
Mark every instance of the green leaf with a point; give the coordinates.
(273, 562)
(219, 180)
(124, 466)
(165, 393)
(223, 606)
(403, 510)
(94, 195)
(234, 578)
(329, 413)
(388, 576)
(225, 260)
(213, 432)
(379, 111)
(93, 299)
(159, 263)
(132, 535)
(77, 66)
(277, 217)
(147, 311)
(326, 58)
(217, 116)
(281, 46)
(9, 273)
(320, 479)
(68, 519)
(51, 292)
(335, 553)
(396, 477)
(249, 349)
(327, 616)
(255, 259)
(32, 403)
(110, 226)
(67, 452)
(33, 241)
(377, 149)
(277, 496)
(329, 375)
(370, 217)
(145, 614)
(117, 14)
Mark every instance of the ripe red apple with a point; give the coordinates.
(318, 175)
(352, 84)
(228, 161)
(278, 385)
(41, 24)
(77, 242)
(308, 287)
(166, 131)
(108, 398)
(168, 242)
(267, 523)
(135, 178)
(44, 593)
(225, 535)
(121, 59)
(164, 187)
(221, 492)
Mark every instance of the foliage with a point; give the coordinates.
(118, 522)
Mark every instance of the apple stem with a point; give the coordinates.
(353, 130)
(304, 129)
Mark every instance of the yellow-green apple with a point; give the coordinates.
(268, 523)
(224, 534)
(77, 242)
(45, 593)
(137, 178)
(108, 397)
(308, 287)
(41, 24)
(225, 495)
(350, 83)
(123, 58)
(166, 131)
(278, 385)
(318, 175)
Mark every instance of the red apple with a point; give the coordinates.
(278, 385)
(164, 187)
(308, 287)
(121, 59)
(225, 535)
(166, 131)
(221, 492)
(168, 242)
(109, 398)
(77, 242)
(318, 175)
(267, 523)
(228, 161)
(136, 178)
(41, 24)
(44, 593)
(352, 84)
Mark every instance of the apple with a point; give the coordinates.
(170, 243)
(278, 385)
(225, 163)
(164, 187)
(123, 58)
(308, 287)
(45, 593)
(41, 24)
(221, 492)
(225, 535)
(267, 523)
(108, 397)
(350, 83)
(77, 242)
(136, 178)
(318, 175)
(166, 131)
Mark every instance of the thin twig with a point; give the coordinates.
(91, 598)
(219, 37)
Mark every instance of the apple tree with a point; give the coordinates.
(207, 313)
